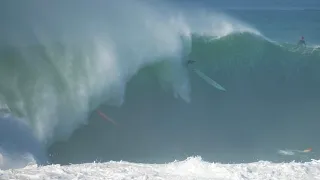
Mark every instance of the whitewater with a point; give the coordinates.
(191, 168)
(102, 91)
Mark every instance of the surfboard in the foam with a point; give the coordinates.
(209, 80)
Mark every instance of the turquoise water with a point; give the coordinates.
(284, 25)
(58, 68)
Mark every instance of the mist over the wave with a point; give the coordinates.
(61, 60)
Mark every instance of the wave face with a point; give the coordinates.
(270, 103)
(58, 68)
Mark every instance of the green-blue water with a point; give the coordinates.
(58, 69)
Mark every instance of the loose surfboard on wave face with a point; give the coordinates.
(209, 80)
(288, 152)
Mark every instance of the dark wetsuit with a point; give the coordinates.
(190, 62)
(301, 42)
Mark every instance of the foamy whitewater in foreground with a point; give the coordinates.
(192, 168)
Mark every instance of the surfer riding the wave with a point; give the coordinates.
(301, 42)
(190, 62)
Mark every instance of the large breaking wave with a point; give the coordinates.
(59, 64)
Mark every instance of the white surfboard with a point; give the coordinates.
(209, 80)
(292, 152)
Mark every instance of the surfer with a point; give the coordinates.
(301, 42)
(190, 62)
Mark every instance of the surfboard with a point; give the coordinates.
(209, 80)
(289, 152)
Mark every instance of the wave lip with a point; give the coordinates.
(64, 71)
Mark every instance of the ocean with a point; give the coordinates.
(103, 90)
